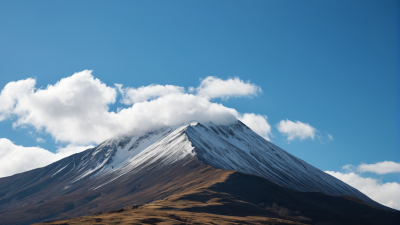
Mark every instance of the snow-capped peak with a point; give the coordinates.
(229, 147)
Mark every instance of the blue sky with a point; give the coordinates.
(331, 64)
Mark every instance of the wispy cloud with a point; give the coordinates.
(380, 167)
(349, 168)
(213, 87)
(144, 93)
(324, 137)
(296, 130)
(387, 194)
(40, 140)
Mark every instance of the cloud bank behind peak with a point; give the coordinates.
(76, 109)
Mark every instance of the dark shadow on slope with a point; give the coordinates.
(290, 204)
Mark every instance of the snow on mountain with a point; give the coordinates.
(229, 147)
(237, 147)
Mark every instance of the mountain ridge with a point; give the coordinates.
(122, 167)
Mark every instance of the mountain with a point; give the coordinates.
(182, 163)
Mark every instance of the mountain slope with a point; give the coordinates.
(130, 170)
(237, 147)
(238, 198)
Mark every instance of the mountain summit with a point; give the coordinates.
(141, 169)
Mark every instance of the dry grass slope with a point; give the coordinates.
(229, 197)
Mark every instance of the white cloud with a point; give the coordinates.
(296, 130)
(15, 158)
(258, 123)
(71, 149)
(348, 168)
(71, 110)
(330, 137)
(11, 93)
(40, 140)
(380, 167)
(387, 194)
(75, 109)
(172, 110)
(144, 93)
(213, 87)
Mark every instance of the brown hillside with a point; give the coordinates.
(210, 196)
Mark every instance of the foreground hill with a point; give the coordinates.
(214, 169)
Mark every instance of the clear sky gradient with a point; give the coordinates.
(331, 64)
